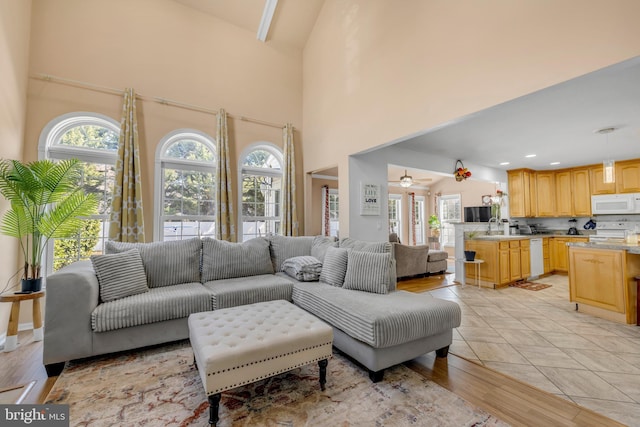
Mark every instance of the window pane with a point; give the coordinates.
(179, 229)
(188, 193)
(86, 243)
(90, 136)
(99, 179)
(260, 195)
(188, 149)
(261, 159)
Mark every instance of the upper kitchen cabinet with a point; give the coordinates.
(521, 192)
(546, 193)
(580, 192)
(564, 200)
(598, 185)
(567, 192)
(628, 176)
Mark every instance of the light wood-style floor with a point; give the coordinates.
(508, 399)
(24, 365)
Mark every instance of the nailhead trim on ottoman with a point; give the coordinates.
(240, 345)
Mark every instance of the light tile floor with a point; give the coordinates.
(539, 338)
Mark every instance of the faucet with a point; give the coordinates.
(492, 219)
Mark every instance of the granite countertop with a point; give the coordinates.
(632, 248)
(525, 236)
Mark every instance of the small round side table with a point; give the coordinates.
(476, 265)
(11, 342)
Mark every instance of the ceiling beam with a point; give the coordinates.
(267, 17)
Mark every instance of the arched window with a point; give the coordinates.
(185, 176)
(261, 169)
(93, 139)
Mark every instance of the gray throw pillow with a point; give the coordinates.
(368, 271)
(334, 266)
(320, 245)
(166, 263)
(226, 260)
(120, 275)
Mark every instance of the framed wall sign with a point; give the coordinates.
(370, 199)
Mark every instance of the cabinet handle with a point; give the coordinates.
(594, 261)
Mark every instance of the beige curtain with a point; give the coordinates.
(225, 222)
(126, 222)
(289, 211)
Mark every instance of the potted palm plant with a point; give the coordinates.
(45, 203)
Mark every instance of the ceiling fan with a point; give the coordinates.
(408, 180)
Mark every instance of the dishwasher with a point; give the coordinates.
(537, 262)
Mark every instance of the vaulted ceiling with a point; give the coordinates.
(291, 24)
(556, 124)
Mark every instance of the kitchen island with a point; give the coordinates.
(601, 279)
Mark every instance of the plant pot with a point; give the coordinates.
(33, 285)
(469, 255)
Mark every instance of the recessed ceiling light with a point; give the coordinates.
(554, 163)
(504, 163)
(530, 155)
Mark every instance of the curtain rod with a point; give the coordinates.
(163, 101)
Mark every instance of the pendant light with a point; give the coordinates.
(608, 165)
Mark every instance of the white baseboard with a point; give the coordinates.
(21, 327)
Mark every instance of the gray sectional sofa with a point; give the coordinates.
(419, 260)
(99, 306)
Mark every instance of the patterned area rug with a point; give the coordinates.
(159, 386)
(530, 286)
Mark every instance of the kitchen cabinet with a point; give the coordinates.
(514, 261)
(525, 258)
(546, 256)
(567, 192)
(602, 282)
(546, 193)
(487, 251)
(559, 252)
(521, 184)
(580, 192)
(598, 185)
(564, 200)
(628, 176)
(505, 261)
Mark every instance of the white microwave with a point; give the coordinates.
(628, 203)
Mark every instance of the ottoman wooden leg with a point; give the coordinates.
(214, 403)
(323, 372)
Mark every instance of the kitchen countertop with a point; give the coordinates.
(526, 236)
(632, 248)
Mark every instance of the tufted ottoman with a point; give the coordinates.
(240, 345)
